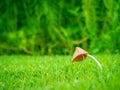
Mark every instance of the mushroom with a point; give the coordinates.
(80, 55)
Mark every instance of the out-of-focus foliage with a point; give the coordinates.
(57, 26)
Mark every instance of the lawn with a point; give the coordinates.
(20, 72)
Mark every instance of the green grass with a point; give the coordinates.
(19, 72)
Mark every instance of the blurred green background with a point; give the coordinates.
(57, 26)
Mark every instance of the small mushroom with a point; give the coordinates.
(81, 54)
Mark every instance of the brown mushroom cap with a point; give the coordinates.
(79, 54)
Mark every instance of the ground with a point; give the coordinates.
(20, 72)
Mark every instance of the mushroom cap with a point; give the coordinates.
(79, 54)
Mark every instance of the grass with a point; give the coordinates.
(19, 72)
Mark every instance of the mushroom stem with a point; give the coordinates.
(92, 57)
